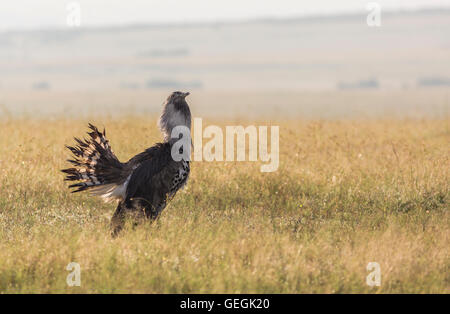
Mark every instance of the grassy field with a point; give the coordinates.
(347, 193)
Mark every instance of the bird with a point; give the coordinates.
(143, 185)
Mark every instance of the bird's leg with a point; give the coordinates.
(118, 220)
(152, 211)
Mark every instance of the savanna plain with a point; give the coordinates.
(347, 192)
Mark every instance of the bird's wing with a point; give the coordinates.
(152, 170)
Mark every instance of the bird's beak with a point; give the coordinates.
(186, 94)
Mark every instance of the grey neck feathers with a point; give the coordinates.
(174, 115)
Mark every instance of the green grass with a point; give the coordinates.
(347, 193)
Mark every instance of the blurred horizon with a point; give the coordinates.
(316, 66)
(224, 22)
(26, 15)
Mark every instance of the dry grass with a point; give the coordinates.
(346, 193)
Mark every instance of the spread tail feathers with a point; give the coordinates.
(95, 165)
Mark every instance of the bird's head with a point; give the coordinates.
(176, 112)
(178, 98)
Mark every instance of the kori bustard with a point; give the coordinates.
(144, 184)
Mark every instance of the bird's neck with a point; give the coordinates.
(171, 119)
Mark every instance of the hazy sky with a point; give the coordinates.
(19, 14)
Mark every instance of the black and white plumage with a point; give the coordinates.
(145, 183)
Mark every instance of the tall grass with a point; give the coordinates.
(346, 193)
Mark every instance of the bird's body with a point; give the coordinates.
(145, 183)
